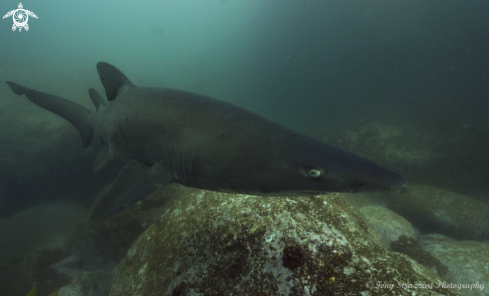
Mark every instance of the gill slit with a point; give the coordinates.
(181, 167)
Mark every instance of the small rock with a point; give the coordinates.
(69, 266)
(94, 283)
(410, 247)
(435, 210)
(388, 224)
(467, 261)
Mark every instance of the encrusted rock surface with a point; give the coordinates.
(388, 224)
(435, 210)
(467, 261)
(209, 243)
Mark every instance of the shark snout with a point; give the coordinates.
(389, 181)
(401, 182)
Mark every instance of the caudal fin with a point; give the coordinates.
(77, 115)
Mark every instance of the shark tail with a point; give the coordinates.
(76, 114)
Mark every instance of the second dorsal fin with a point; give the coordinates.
(96, 98)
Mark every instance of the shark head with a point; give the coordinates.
(293, 164)
(321, 167)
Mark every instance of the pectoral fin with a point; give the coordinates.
(135, 182)
(103, 157)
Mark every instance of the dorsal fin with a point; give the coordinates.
(96, 98)
(113, 80)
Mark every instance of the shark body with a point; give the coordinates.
(170, 135)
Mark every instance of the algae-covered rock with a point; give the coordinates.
(388, 224)
(209, 243)
(436, 210)
(410, 247)
(467, 261)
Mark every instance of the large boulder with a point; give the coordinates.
(45, 226)
(388, 224)
(467, 262)
(209, 243)
(30, 242)
(452, 154)
(435, 210)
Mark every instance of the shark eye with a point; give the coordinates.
(314, 173)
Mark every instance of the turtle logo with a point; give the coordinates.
(20, 17)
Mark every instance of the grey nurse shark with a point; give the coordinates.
(170, 135)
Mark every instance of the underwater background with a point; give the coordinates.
(404, 83)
